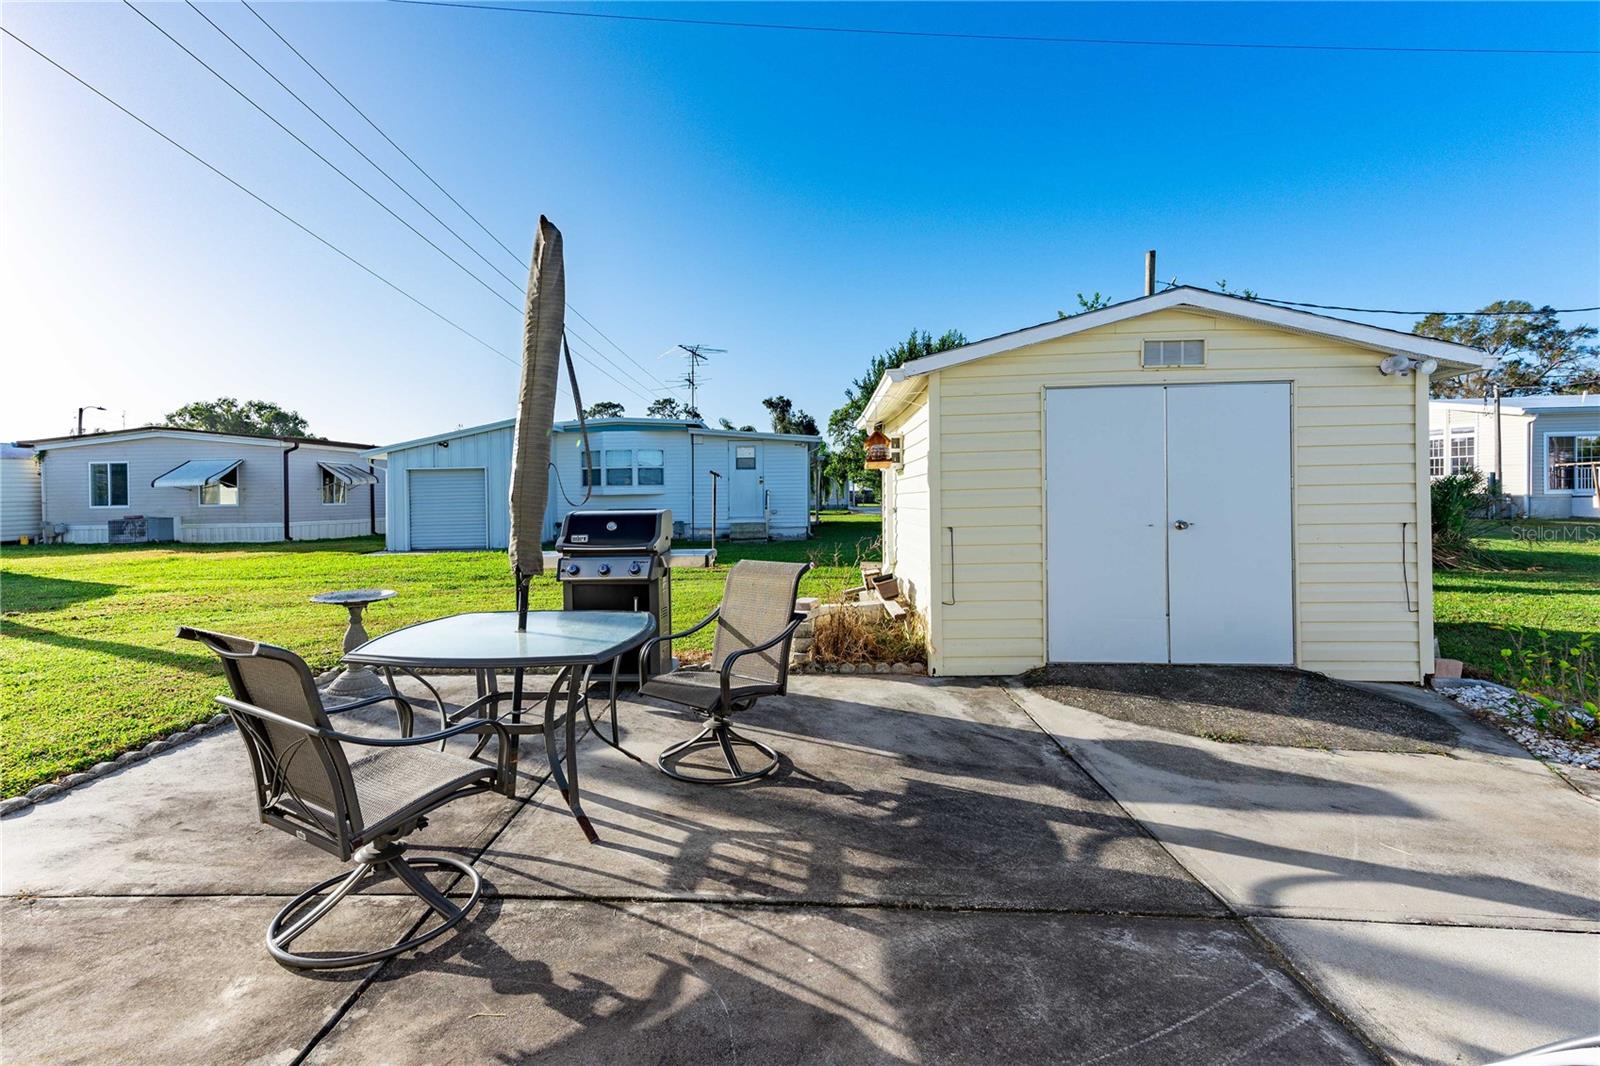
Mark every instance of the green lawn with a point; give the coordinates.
(89, 666)
(1550, 580)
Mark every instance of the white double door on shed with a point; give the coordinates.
(1167, 518)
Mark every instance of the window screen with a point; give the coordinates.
(1174, 353)
(1463, 450)
(108, 484)
(619, 466)
(1436, 455)
(744, 457)
(1563, 452)
(652, 464)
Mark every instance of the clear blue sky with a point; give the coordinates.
(801, 199)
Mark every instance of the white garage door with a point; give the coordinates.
(1168, 524)
(448, 509)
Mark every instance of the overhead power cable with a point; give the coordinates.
(331, 165)
(1273, 46)
(1389, 311)
(264, 202)
(516, 258)
(352, 145)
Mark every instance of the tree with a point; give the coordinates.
(253, 418)
(786, 418)
(603, 409)
(848, 459)
(1243, 294)
(1088, 303)
(668, 407)
(1533, 353)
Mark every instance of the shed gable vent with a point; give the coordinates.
(1174, 353)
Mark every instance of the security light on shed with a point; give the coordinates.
(882, 452)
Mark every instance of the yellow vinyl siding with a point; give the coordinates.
(906, 504)
(1355, 471)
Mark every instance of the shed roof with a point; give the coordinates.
(900, 384)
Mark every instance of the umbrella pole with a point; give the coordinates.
(522, 603)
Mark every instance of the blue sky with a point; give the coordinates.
(800, 199)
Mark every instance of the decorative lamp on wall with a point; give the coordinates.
(882, 452)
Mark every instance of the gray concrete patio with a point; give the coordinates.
(930, 877)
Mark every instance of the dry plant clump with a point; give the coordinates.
(849, 636)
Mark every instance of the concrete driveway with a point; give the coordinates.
(930, 878)
(1449, 904)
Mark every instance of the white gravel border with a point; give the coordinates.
(1509, 710)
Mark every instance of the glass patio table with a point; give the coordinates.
(487, 643)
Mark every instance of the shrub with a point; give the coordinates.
(1561, 679)
(1455, 498)
(851, 636)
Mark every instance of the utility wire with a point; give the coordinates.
(301, 141)
(519, 260)
(1387, 311)
(1013, 37)
(333, 166)
(352, 146)
(264, 202)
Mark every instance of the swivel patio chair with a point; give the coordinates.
(756, 622)
(314, 783)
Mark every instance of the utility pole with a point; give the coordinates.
(1150, 272)
(89, 407)
(698, 354)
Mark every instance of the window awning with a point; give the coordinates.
(349, 474)
(195, 473)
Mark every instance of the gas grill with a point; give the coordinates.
(618, 561)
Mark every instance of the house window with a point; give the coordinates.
(223, 492)
(1436, 455)
(108, 484)
(333, 490)
(1463, 450)
(1174, 353)
(652, 466)
(619, 466)
(1561, 475)
(591, 474)
(744, 457)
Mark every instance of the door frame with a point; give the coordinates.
(760, 476)
(1294, 480)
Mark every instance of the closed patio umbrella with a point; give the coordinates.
(536, 405)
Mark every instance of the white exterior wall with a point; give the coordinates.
(1363, 595)
(1545, 502)
(567, 452)
(488, 450)
(907, 525)
(785, 470)
(20, 510)
(257, 518)
(1446, 418)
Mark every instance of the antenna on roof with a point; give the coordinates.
(698, 354)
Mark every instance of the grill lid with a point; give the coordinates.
(649, 531)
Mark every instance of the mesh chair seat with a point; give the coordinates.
(702, 689)
(391, 781)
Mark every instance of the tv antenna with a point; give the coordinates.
(698, 355)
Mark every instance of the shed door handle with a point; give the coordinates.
(1181, 524)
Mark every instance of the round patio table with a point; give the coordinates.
(575, 642)
(355, 681)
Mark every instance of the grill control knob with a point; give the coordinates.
(634, 567)
(572, 568)
(605, 568)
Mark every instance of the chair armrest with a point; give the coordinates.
(733, 657)
(507, 744)
(387, 697)
(648, 646)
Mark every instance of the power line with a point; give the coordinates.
(331, 165)
(519, 260)
(1010, 37)
(352, 145)
(1387, 311)
(264, 202)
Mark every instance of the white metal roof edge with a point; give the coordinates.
(1459, 356)
(595, 425)
(466, 431)
(142, 434)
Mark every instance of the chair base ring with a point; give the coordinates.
(718, 735)
(282, 931)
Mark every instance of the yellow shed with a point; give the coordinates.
(1188, 477)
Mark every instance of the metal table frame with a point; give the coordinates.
(575, 674)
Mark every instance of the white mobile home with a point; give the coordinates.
(1544, 449)
(1188, 477)
(203, 487)
(452, 490)
(19, 493)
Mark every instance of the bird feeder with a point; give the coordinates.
(882, 452)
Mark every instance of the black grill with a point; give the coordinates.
(617, 561)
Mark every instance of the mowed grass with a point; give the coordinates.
(89, 665)
(1550, 580)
